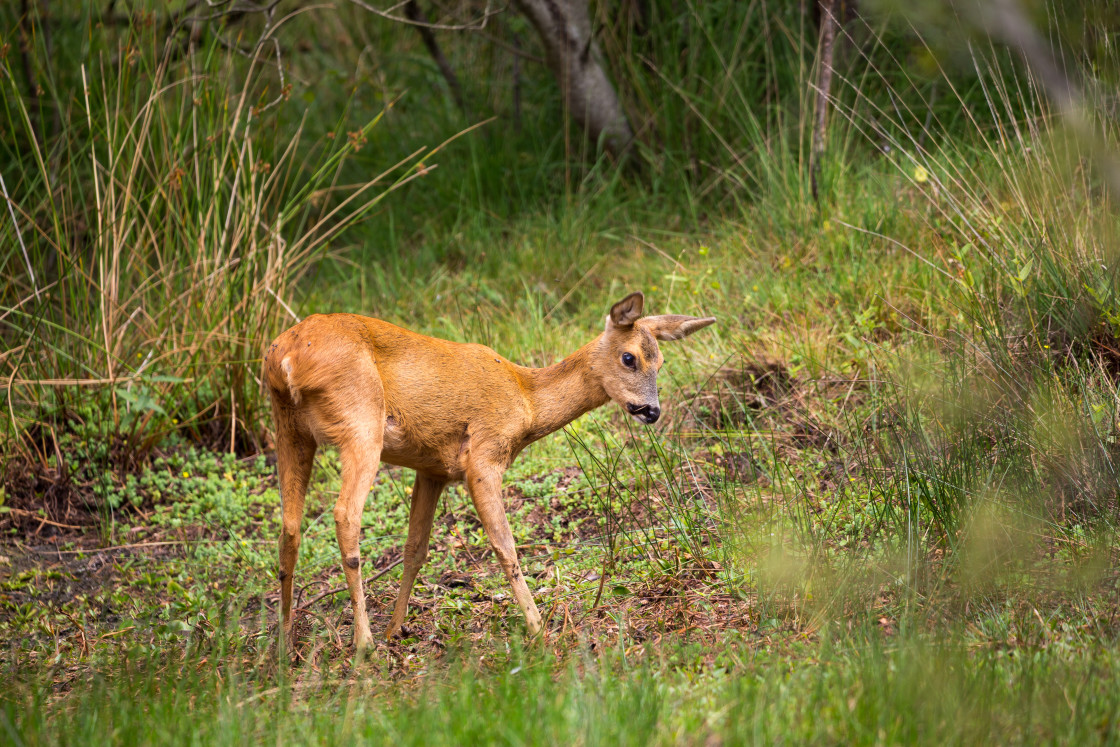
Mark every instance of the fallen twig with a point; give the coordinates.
(94, 550)
(369, 580)
(43, 520)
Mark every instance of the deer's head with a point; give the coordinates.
(628, 356)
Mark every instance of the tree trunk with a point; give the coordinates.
(824, 89)
(565, 30)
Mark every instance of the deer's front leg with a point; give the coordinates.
(485, 486)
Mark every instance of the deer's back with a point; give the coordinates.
(440, 399)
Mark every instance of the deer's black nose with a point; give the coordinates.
(648, 413)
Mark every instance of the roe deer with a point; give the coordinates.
(450, 411)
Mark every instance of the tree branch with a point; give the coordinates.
(389, 16)
(417, 18)
(1006, 21)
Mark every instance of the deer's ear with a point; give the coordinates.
(627, 311)
(675, 326)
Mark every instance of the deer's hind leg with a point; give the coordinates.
(295, 453)
(425, 493)
(359, 445)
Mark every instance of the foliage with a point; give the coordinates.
(156, 238)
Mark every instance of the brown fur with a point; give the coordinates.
(450, 411)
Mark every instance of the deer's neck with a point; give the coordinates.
(562, 392)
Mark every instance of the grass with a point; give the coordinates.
(858, 692)
(881, 504)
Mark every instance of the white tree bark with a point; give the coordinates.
(565, 30)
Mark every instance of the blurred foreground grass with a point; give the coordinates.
(851, 689)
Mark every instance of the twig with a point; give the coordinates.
(95, 550)
(42, 519)
(388, 15)
(117, 632)
(80, 382)
(303, 589)
(369, 580)
(81, 631)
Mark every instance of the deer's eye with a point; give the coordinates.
(628, 360)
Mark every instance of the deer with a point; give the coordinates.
(450, 411)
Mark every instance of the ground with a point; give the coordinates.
(65, 585)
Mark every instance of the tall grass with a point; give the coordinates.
(1026, 233)
(159, 240)
(991, 440)
(1001, 437)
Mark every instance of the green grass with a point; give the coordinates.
(850, 690)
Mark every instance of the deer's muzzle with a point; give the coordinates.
(647, 413)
